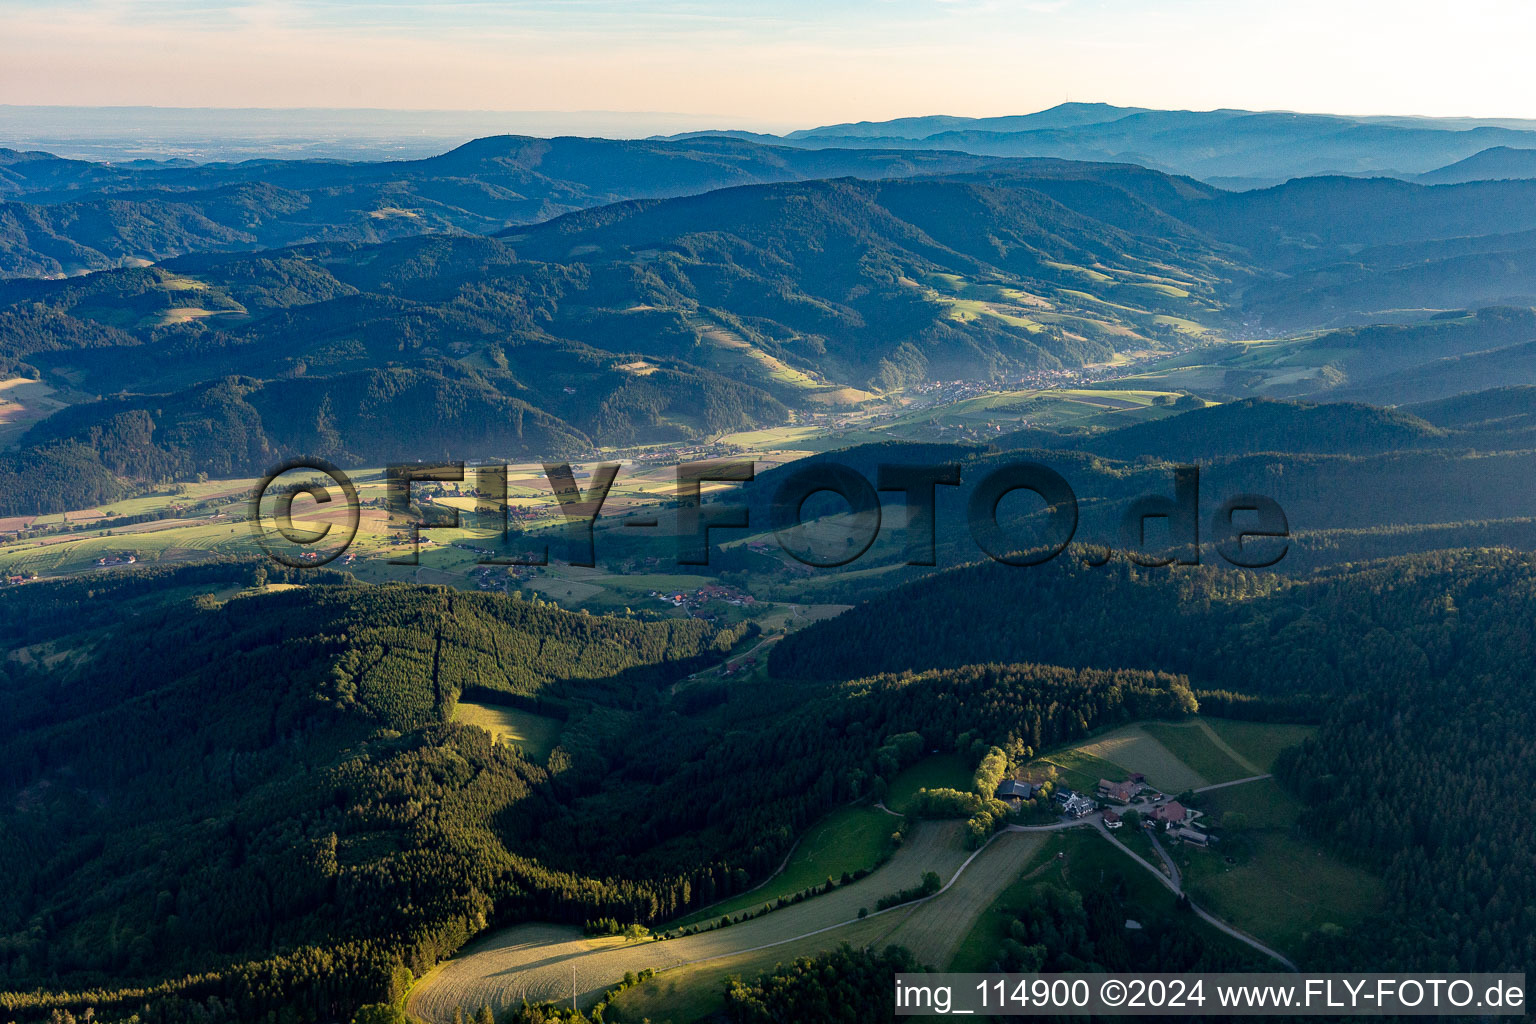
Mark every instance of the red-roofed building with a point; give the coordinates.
(1119, 792)
(1170, 813)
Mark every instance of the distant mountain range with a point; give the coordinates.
(641, 322)
(1233, 148)
(527, 297)
(69, 216)
(61, 217)
(660, 320)
(1498, 164)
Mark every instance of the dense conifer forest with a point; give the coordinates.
(270, 785)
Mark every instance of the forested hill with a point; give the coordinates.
(264, 782)
(665, 320)
(270, 810)
(1355, 482)
(865, 270)
(1495, 164)
(1419, 667)
(233, 425)
(1244, 146)
(1225, 629)
(393, 655)
(1439, 357)
(1338, 250)
(675, 320)
(1250, 426)
(72, 216)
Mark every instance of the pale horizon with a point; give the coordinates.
(803, 66)
(745, 123)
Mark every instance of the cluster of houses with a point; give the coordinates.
(487, 578)
(684, 454)
(107, 560)
(1173, 817)
(691, 600)
(1157, 810)
(1017, 791)
(519, 564)
(498, 577)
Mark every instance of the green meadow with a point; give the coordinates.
(847, 840)
(536, 734)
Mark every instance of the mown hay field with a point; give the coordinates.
(541, 962)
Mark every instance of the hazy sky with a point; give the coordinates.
(774, 65)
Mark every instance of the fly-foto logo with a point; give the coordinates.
(1246, 530)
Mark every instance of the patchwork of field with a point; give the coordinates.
(1206, 753)
(934, 930)
(1074, 311)
(75, 552)
(542, 962)
(1131, 748)
(1265, 877)
(1053, 407)
(1273, 368)
(1176, 756)
(208, 518)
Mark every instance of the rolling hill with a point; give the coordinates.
(1499, 407)
(662, 320)
(1498, 163)
(643, 322)
(1227, 143)
(1396, 364)
(1259, 425)
(870, 279)
(283, 816)
(69, 216)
